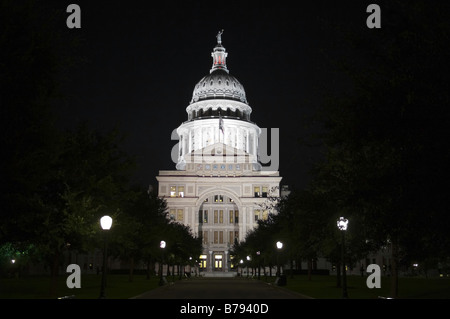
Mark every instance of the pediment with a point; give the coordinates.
(219, 149)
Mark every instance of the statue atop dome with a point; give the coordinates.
(219, 37)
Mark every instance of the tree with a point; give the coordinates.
(386, 144)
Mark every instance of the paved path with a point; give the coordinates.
(220, 288)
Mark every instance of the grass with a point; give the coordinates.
(321, 287)
(324, 287)
(37, 287)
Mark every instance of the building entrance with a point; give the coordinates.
(218, 261)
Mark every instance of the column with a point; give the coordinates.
(225, 262)
(247, 147)
(210, 264)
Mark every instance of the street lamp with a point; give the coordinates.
(105, 223)
(281, 279)
(258, 254)
(241, 265)
(248, 260)
(279, 247)
(342, 224)
(162, 245)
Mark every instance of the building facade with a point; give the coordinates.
(219, 188)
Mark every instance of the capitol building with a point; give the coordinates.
(219, 188)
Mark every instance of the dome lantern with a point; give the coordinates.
(219, 55)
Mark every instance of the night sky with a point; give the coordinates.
(142, 61)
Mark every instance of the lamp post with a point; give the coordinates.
(258, 254)
(248, 261)
(241, 262)
(342, 224)
(162, 245)
(279, 247)
(105, 223)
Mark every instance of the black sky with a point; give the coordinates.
(142, 61)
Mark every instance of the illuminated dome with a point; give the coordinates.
(218, 116)
(219, 84)
(219, 92)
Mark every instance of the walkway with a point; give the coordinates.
(220, 288)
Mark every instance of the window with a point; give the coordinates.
(258, 193)
(220, 216)
(231, 213)
(205, 216)
(265, 215)
(172, 214)
(216, 216)
(230, 167)
(238, 167)
(176, 191)
(264, 191)
(205, 237)
(180, 215)
(218, 198)
(216, 237)
(257, 212)
(200, 217)
(236, 217)
(203, 261)
(221, 237)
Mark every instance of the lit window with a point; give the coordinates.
(264, 191)
(257, 212)
(172, 214)
(257, 191)
(176, 191)
(180, 215)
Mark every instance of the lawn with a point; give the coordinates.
(37, 287)
(324, 287)
(321, 287)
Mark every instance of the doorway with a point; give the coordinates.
(218, 261)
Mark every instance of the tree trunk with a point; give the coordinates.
(130, 276)
(309, 268)
(54, 267)
(338, 274)
(394, 269)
